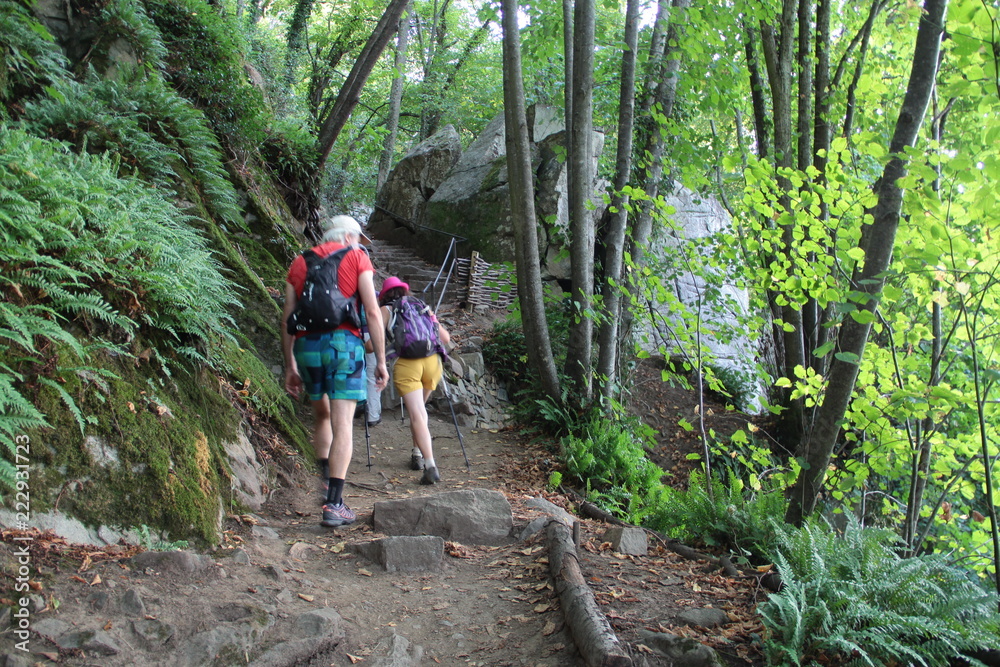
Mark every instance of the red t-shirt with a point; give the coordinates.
(351, 266)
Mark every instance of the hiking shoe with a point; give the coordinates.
(375, 422)
(337, 515)
(416, 461)
(431, 475)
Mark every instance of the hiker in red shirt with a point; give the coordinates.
(329, 362)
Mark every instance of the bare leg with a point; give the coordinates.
(419, 429)
(322, 430)
(342, 421)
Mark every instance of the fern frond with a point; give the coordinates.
(68, 400)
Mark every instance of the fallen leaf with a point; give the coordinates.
(644, 649)
(107, 626)
(338, 547)
(54, 657)
(307, 598)
(354, 659)
(549, 628)
(362, 571)
(80, 579)
(97, 580)
(542, 608)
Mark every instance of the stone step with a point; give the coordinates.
(393, 260)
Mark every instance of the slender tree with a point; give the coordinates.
(522, 207)
(395, 101)
(350, 92)
(868, 281)
(579, 364)
(616, 217)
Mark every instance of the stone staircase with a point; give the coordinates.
(394, 260)
(477, 399)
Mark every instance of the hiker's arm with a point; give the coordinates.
(293, 381)
(376, 330)
(443, 334)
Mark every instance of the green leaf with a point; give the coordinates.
(848, 358)
(863, 316)
(824, 349)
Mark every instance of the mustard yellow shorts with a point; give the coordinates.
(412, 374)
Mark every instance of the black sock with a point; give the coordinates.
(323, 466)
(335, 494)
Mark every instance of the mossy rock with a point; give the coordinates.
(146, 447)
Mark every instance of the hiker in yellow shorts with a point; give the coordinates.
(415, 377)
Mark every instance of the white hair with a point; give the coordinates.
(339, 227)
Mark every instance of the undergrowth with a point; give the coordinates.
(849, 598)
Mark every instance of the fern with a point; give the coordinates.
(28, 54)
(68, 400)
(850, 597)
(81, 246)
(17, 415)
(128, 19)
(732, 516)
(149, 126)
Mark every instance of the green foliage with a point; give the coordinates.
(609, 457)
(850, 598)
(28, 55)
(504, 350)
(152, 542)
(290, 153)
(732, 516)
(127, 19)
(80, 241)
(88, 255)
(153, 129)
(205, 64)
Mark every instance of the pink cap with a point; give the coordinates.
(390, 282)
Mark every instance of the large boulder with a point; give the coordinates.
(473, 201)
(399, 205)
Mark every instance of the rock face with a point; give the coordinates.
(696, 218)
(400, 204)
(471, 200)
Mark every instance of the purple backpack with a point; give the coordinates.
(412, 329)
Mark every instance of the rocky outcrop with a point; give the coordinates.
(472, 200)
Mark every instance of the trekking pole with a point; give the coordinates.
(451, 406)
(368, 439)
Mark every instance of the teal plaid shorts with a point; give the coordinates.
(332, 364)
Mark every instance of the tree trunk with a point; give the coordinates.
(522, 208)
(617, 217)
(593, 635)
(432, 119)
(395, 101)
(350, 92)
(878, 240)
(579, 350)
(650, 167)
(295, 39)
(567, 9)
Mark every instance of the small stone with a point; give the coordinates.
(132, 605)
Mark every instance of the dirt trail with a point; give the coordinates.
(486, 605)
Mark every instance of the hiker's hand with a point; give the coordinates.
(293, 382)
(381, 376)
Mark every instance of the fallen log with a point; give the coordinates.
(594, 637)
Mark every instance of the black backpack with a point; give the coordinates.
(322, 307)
